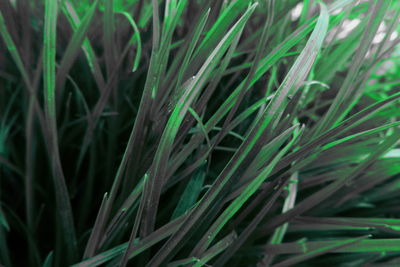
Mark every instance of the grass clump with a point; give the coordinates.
(199, 133)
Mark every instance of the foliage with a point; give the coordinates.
(199, 133)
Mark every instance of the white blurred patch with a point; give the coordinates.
(348, 26)
(393, 36)
(379, 38)
(13, 3)
(296, 11)
(337, 11)
(380, 35)
(394, 153)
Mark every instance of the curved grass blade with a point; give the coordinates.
(48, 262)
(136, 37)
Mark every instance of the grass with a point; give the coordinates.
(199, 133)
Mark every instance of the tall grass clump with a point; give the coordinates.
(199, 133)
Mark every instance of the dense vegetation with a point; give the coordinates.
(199, 133)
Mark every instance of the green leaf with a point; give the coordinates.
(48, 262)
(361, 246)
(191, 193)
(12, 49)
(74, 45)
(72, 17)
(313, 251)
(135, 39)
(65, 214)
(3, 221)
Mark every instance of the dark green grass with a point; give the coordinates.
(199, 133)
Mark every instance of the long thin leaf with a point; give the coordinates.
(363, 246)
(74, 45)
(65, 215)
(321, 250)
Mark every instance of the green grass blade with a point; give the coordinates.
(4, 248)
(12, 49)
(72, 17)
(280, 232)
(74, 45)
(218, 248)
(136, 38)
(91, 245)
(48, 262)
(109, 36)
(190, 195)
(218, 29)
(196, 35)
(3, 221)
(361, 134)
(65, 214)
(321, 250)
(383, 224)
(363, 246)
(251, 227)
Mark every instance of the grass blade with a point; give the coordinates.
(321, 250)
(190, 195)
(65, 215)
(74, 45)
(363, 246)
(70, 13)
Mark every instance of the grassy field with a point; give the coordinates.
(199, 133)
